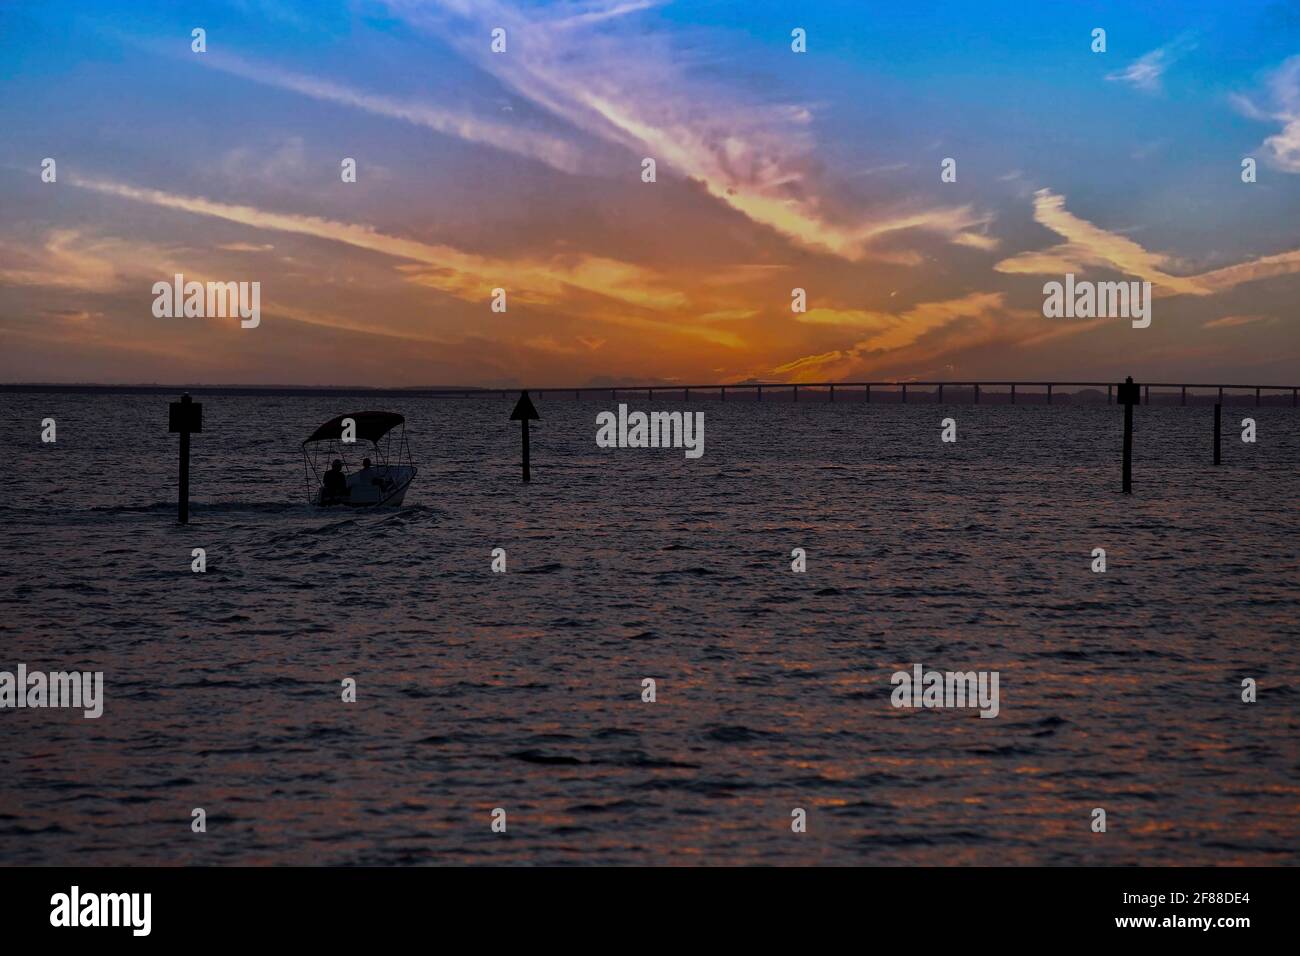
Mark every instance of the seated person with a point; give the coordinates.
(370, 475)
(334, 487)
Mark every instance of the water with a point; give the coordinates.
(523, 690)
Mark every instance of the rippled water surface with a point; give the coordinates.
(523, 690)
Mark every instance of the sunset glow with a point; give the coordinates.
(522, 171)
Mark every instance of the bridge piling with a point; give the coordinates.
(1218, 409)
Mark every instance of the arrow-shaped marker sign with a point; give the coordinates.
(524, 413)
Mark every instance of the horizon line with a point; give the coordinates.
(749, 384)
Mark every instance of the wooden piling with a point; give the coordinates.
(1128, 448)
(1218, 409)
(1128, 397)
(183, 501)
(184, 417)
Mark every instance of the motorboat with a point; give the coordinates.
(371, 482)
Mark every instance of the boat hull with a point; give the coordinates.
(383, 486)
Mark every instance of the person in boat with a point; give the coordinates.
(370, 475)
(334, 486)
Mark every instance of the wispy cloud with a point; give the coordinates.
(462, 274)
(284, 162)
(1087, 244)
(246, 246)
(596, 12)
(1232, 321)
(908, 335)
(632, 89)
(1090, 245)
(981, 324)
(1265, 267)
(1282, 149)
(1146, 72)
(74, 260)
(521, 140)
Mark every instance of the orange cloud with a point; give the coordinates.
(974, 319)
(465, 275)
(1232, 321)
(894, 330)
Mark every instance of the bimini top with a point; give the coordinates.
(371, 426)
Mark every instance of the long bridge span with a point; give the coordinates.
(972, 392)
(1029, 391)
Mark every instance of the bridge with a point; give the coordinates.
(969, 391)
(934, 392)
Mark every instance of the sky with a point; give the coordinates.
(522, 170)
